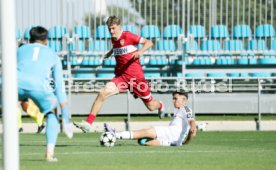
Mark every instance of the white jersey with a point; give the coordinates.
(177, 131)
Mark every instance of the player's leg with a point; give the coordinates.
(19, 114)
(33, 111)
(67, 127)
(141, 89)
(109, 90)
(47, 102)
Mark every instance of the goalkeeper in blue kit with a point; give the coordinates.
(37, 64)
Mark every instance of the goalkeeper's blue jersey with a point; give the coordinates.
(37, 64)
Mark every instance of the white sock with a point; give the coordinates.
(124, 135)
(50, 148)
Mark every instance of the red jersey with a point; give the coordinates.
(123, 48)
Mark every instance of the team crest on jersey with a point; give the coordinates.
(122, 42)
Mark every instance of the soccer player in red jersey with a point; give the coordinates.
(129, 74)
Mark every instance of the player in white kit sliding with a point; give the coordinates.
(180, 130)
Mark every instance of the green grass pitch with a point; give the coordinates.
(209, 150)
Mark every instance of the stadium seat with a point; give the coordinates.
(210, 45)
(102, 32)
(256, 45)
(105, 73)
(267, 60)
(152, 72)
(273, 45)
(265, 30)
(172, 31)
(100, 45)
(57, 32)
(260, 74)
(242, 31)
(233, 45)
(197, 31)
(130, 28)
(18, 35)
(82, 31)
(84, 73)
(189, 46)
(81, 46)
(166, 45)
(217, 75)
(244, 75)
(195, 75)
(55, 45)
(243, 61)
(234, 74)
(252, 61)
(27, 33)
(219, 31)
(150, 31)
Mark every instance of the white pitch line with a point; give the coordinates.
(153, 151)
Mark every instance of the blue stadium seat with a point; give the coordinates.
(234, 74)
(267, 60)
(217, 75)
(57, 32)
(210, 45)
(105, 73)
(273, 45)
(260, 74)
(27, 33)
(243, 61)
(225, 61)
(219, 31)
(189, 46)
(166, 45)
(81, 46)
(18, 35)
(84, 73)
(265, 30)
(252, 61)
(102, 32)
(130, 28)
(152, 72)
(55, 45)
(195, 75)
(150, 31)
(74, 61)
(100, 45)
(172, 31)
(233, 45)
(256, 45)
(242, 31)
(244, 75)
(197, 31)
(82, 31)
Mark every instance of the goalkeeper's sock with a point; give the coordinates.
(160, 106)
(65, 115)
(124, 135)
(90, 119)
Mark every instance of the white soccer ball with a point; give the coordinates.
(201, 126)
(107, 139)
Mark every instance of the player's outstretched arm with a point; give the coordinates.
(146, 45)
(108, 54)
(193, 127)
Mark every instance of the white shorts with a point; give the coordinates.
(171, 135)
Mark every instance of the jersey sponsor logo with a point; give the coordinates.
(122, 42)
(124, 50)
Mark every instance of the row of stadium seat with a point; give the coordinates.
(153, 73)
(169, 31)
(164, 45)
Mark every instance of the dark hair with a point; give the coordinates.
(38, 33)
(113, 20)
(181, 92)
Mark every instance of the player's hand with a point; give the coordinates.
(193, 131)
(136, 55)
(106, 56)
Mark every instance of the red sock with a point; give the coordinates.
(161, 106)
(91, 117)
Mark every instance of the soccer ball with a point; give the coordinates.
(201, 126)
(107, 139)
